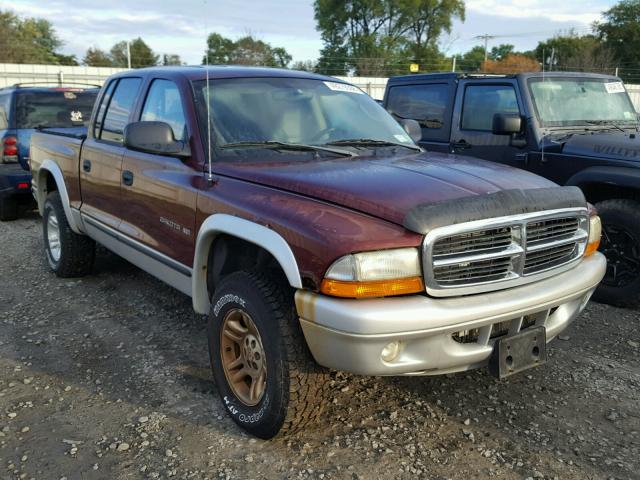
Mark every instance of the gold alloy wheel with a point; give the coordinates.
(243, 358)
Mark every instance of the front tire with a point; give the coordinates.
(266, 377)
(68, 254)
(621, 245)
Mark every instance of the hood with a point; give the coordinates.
(610, 145)
(386, 188)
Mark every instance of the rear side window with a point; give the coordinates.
(58, 108)
(5, 110)
(119, 109)
(425, 103)
(163, 105)
(482, 102)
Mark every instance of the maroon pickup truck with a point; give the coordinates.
(314, 233)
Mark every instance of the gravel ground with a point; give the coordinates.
(107, 377)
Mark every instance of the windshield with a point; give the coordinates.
(578, 101)
(54, 109)
(292, 111)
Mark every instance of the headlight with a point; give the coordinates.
(595, 232)
(375, 274)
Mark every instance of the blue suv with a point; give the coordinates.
(24, 108)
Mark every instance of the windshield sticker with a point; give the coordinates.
(614, 87)
(343, 87)
(403, 138)
(76, 116)
(70, 95)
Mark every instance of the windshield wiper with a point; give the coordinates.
(606, 123)
(368, 142)
(300, 147)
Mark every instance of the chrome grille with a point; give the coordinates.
(499, 253)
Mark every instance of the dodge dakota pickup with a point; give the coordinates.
(577, 129)
(314, 233)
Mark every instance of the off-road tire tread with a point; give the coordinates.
(309, 383)
(631, 297)
(78, 251)
(8, 209)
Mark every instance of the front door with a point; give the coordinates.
(158, 192)
(472, 131)
(102, 152)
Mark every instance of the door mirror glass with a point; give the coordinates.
(154, 137)
(507, 123)
(412, 127)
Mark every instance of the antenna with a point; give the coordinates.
(206, 62)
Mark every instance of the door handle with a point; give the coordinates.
(86, 165)
(127, 178)
(461, 145)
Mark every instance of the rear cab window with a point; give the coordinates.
(428, 104)
(120, 104)
(482, 102)
(55, 108)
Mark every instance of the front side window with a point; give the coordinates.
(163, 105)
(119, 109)
(482, 102)
(569, 101)
(425, 103)
(55, 108)
(293, 111)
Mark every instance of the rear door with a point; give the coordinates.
(159, 191)
(101, 155)
(472, 132)
(430, 103)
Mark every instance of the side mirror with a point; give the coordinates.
(507, 123)
(154, 137)
(413, 128)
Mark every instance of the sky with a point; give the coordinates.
(181, 27)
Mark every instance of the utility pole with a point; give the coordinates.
(128, 55)
(453, 66)
(486, 39)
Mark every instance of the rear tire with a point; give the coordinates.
(621, 245)
(8, 209)
(253, 331)
(68, 254)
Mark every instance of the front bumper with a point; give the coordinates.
(350, 335)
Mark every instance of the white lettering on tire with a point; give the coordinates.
(228, 298)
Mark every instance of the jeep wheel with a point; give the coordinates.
(68, 254)
(265, 375)
(8, 209)
(621, 245)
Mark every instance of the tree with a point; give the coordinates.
(305, 66)
(426, 21)
(472, 60)
(501, 51)
(382, 37)
(141, 54)
(30, 40)
(574, 52)
(171, 59)
(620, 31)
(512, 63)
(97, 58)
(244, 51)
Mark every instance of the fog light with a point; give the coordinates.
(391, 351)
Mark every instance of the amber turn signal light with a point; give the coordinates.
(382, 288)
(595, 232)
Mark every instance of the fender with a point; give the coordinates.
(619, 176)
(238, 227)
(52, 167)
